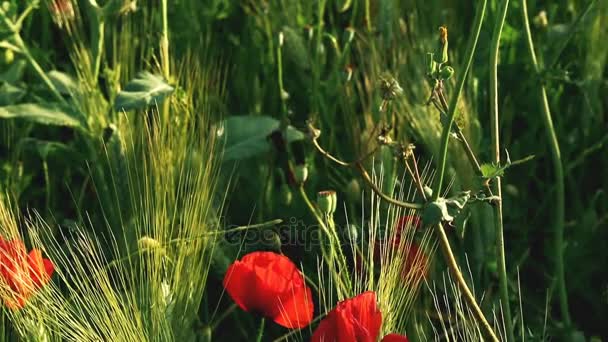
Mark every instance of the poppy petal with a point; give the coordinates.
(270, 284)
(296, 309)
(394, 338)
(239, 283)
(354, 319)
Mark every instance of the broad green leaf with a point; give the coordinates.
(44, 114)
(247, 136)
(145, 90)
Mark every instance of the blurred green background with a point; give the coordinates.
(333, 57)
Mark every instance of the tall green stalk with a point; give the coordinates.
(443, 239)
(498, 224)
(558, 173)
(445, 135)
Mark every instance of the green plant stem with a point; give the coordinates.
(47, 185)
(280, 79)
(494, 118)
(343, 285)
(443, 239)
(261, 330)
(223, 316)
(368, 17)
(357, 164)
(558, 173)
(445, 135)
(465, 144)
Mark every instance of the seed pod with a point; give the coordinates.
(327, 201)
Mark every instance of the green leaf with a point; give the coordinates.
(491, 171)
(43, 113)
(247, 136)
(64, 83)
(145, 90)
(10, 94)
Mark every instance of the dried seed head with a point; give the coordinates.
(390, 88)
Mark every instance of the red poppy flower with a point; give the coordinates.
(21, 274)
(270, 284)
(355, 319)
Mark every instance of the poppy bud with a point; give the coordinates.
(442, 54)
(300, 173)
(327, 201)
(446, 72)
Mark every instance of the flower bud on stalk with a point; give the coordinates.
(442, 54)
(300, 173)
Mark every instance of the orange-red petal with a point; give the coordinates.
(272, 285)
(355, 319)
(394, 338)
